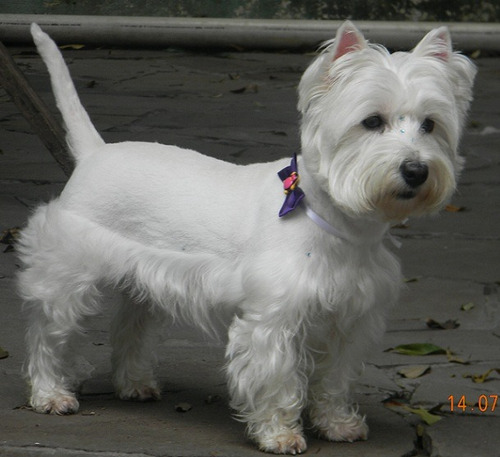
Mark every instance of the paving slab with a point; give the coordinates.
(470, 436)
(241, 107)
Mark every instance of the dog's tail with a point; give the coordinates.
(82, 137)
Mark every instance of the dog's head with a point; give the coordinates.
(380, 131)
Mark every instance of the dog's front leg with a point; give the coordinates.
(338, 350)
(266, 381)
(330, 409)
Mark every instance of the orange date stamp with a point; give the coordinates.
(483, 403)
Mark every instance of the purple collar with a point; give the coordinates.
(294, 194)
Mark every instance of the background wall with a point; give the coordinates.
(413, 10)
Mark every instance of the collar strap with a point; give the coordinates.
(329, 228)
(326, 226)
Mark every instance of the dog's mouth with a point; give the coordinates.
(406, 195)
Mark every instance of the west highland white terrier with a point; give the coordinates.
(309, 290)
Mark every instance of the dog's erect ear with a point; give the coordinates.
(316, 79)
(437, 43)
(348, 39)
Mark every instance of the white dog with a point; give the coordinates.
(180, 233)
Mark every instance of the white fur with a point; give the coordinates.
(179, 233)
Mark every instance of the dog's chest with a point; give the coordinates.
(353, 278)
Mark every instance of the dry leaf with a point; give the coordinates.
(9, 237)
(3, 353)
(88, 413)
(425, 415)
(183, 407)
(249, 88)
(408, 280)
(72, 46)
(480, 378)
(467, 306)
(401, 407)
(453, 359)
(447, 325)
(414, 371)
(454, 209)
(212, 399)
(23, 407)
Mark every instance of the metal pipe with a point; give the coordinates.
(236, 33)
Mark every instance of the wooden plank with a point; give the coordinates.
(34, 110)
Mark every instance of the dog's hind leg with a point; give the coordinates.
(132, 338)
(55, 317)
(59, 287)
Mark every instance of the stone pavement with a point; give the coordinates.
(241, 107)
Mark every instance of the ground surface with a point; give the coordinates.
(241, 107)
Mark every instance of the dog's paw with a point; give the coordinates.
(287, 442)
(139, 392)
(351, 429)
(59, 403)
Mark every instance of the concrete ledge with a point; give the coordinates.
(237, 33)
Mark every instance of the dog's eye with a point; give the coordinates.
(373, 122)
(427, 126)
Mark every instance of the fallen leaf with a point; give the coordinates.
(480, 378)
(467, 306)
(183, 407)
(414, 371)
(9, 237)
(212, 399)
(400, 405)
(454, 209)
(395, 404)
(249, 88)
(26, 407)
(408, 280)
(425, 415)
(88, 413)
(447, 325)
(72, 46)
(3, 353)
(237, 47)
(454, 359)
(476, 54)
(418, 349)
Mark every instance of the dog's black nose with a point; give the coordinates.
(414, 173)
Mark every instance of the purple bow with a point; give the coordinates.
(294, 194)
